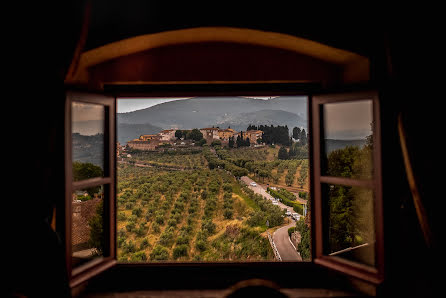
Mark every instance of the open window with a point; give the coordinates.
(90, 184)
(345, 178)
(346, 172)
(213, 178)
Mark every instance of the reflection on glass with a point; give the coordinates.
(87, 225)
(348, 139)
(87, 140)
(350, 225)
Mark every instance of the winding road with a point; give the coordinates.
(280, 237)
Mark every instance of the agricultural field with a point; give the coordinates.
(264, 166)
(181, 159)
(190, 215)
(188, 205)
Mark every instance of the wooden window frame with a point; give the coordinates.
(375, 274)
(109, 99)
(86, 271)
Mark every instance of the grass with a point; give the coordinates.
(238, 191)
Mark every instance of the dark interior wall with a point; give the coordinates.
(35, 250)
(215, 61)
(46, 35)
(333, 25)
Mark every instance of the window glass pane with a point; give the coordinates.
(349, 224)
(209, 178)
(347, 131)
(88, 140)
(87, 225)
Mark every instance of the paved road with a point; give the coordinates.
(286, 250)
(261, 191)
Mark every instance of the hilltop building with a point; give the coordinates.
(253, 135)
(225, 134)
(151, 142)
(149, 137)
(210, 134)
(143, 145)
(167, 134)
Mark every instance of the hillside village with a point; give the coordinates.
(169, 137)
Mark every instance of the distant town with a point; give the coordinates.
(175, 137)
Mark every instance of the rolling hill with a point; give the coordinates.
(200, 112)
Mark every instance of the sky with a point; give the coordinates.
(87, 119)
(126, 105)
(348, 120)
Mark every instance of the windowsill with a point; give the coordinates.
(223, 293)
(297, 279)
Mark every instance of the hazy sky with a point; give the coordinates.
(126, 105)
(87, 119)
(348, 120)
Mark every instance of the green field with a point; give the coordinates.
(189, 215)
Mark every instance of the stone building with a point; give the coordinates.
(225, 134)
(210, 134)
(167, 134)
(143, 145)
(149, 137)
(83, 212)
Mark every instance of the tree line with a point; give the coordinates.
(281, 135)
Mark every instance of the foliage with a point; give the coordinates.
(180, 251)
(286, 198)
(303, 247)
(159, 253)
(273, 135)
(283, 153)
(216, 143)
(350, 162)
(83, 171)
(96, 239)
(350, 209)
(171, 214)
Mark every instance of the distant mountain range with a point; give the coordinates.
(128, 132)
(331, 144)
(200, 112)
(88, 149)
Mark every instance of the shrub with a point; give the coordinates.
(159, 219)
(208, 227)
(182, 239)
(141, 231)
(156, 227)
(137, 212)
(171, 222)
(180, 251)
(166, 237)
(140, 256)
(257, 219)
(227, 187)
(159, 253)
(129, 247)
(130, 227)
(144, 244)
(228, 214)
(200, 245)
(121, 241)
(129, 205)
